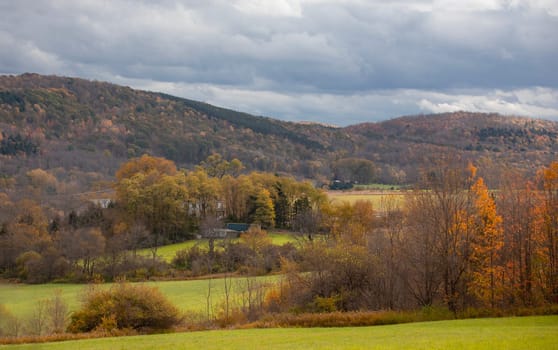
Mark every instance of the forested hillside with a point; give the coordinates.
(83, 130)
(51, 122)
(495, 142)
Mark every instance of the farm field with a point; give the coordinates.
(189, 295)
(168, 252)
(537, 332)
(381, 187)
(377, 198)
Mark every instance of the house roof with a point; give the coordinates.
(238, 227)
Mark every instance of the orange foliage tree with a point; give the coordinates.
(518, 204)
(549, 229)
(487, 269)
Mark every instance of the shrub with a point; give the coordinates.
(134, 268)
(326, 304)
(185, 259)
(137, 307)
(335, 319)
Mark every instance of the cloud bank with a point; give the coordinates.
(339, 62)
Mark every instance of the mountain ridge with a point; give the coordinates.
(94, 126)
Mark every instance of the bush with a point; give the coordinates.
(127, 306)
(335, 319)
(186, 259)
(133, 268)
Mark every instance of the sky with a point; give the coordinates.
(338, 62)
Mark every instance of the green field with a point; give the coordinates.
(377, 198)
(191, 295)
(168, 252)
(539, 332)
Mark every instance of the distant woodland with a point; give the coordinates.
(452, 240)
(70, 125)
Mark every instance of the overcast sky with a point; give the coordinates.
(339, 62)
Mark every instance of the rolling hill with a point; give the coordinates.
(495, 142)
(64, 122)
(86, 129)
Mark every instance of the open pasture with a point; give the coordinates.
(168, 252)
(189, 295)
(538, 332)
(379, 199)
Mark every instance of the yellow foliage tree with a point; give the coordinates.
(146, 164)
(150, 191)
(265, 212)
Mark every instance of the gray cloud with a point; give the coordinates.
(365, 106)
(339, 61)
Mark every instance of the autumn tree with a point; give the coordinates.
(40, 183)
(154, 195)
(486, 248)
(517, 203)
(258, 242)
(351, 221)
(82, 247)
(334, 274)
(236, 195)
(7, 210)
(264, 211)
(203, 193)
(548, 179)
(355, 170)
(146, 164)
(289, 197)
(256, 239)
(25, 232)
(216, 166)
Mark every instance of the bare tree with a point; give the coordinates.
(136, 236)
(10, 325)
(440, 234)
(392, 225)
(208, 228)
(57, 311)
(38, 320)
(208, 304)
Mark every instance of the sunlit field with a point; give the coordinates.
(20, 299)
(540, 332)
(168, 252)
(379, 199)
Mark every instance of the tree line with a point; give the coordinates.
(452, 241)
(154, 204)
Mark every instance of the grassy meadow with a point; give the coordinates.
(377, 198)
(168, 252)
(536, 332)
(189, 295)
